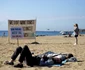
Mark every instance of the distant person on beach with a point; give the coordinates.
(26, 55)
(76, 33)
(4, 34)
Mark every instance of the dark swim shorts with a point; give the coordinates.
(76, 35)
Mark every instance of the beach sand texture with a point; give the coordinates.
(57, 44)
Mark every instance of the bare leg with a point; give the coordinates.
(76, 40)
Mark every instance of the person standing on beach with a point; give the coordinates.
(76, 33)
(4, 34)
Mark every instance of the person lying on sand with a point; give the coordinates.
(26, 55)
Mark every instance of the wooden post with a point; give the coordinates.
(17, 42)
(8, 31)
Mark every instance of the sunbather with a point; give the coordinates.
(26, 55)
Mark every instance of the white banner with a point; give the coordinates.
(22, 28)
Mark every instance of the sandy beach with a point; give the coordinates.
(57, 44)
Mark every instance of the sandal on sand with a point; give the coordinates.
(19, 66)
(8, 63)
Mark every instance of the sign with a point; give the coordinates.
(16, 32)
(22, 29)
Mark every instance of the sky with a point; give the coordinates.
(55, 15)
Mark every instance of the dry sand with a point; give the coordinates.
(58, 44)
